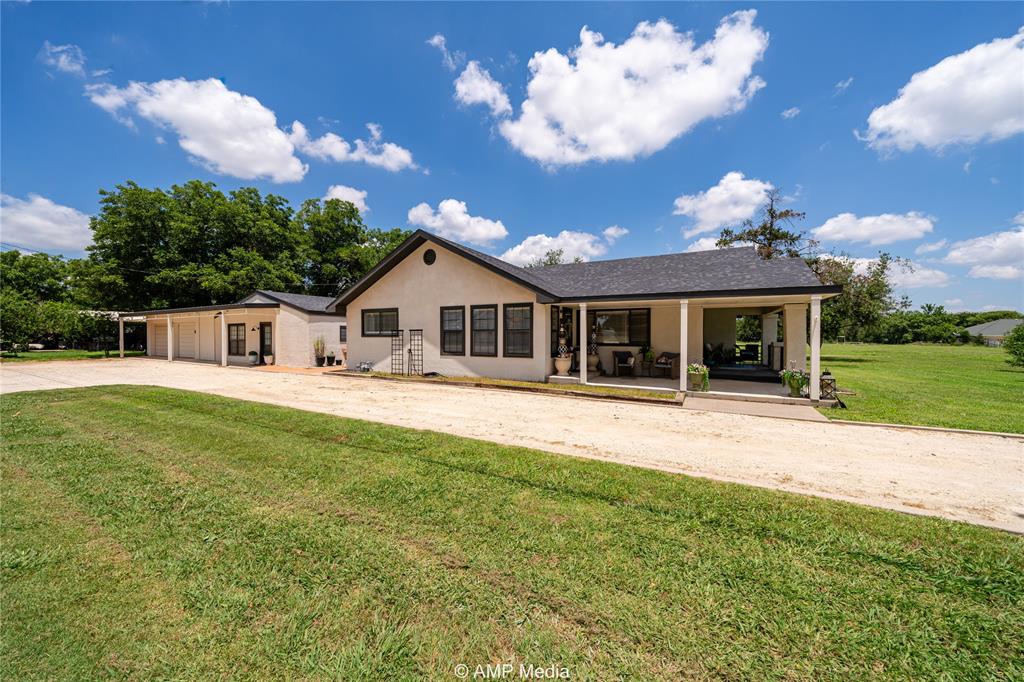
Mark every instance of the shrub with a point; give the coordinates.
(1014, 345)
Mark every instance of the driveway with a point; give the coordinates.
(967, 477)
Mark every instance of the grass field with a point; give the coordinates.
(964, 387)
(44, 355)
(158, 533)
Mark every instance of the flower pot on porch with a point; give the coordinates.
(254, 358)
(694, 381)
(268, 358)
(592, 360)
(330, 361)
(320, 360)
(562, 366)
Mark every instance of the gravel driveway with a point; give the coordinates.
(967, 477)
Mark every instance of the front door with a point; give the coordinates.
(266, 341)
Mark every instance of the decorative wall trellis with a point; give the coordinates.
(398, 352)
(416, 351)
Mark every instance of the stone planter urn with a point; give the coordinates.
(562, 366)
(592, 360)
(254, 358)
(268, 359)
(694, 381)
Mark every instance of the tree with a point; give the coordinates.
(1014, 345)
(36, 276)
(867, 297)
(18, 320)
(552, 257)
(771, 231)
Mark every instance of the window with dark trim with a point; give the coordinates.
(621, 327)
(483, 338)
(453, 330)
(518, 330)
(380, 321)
(343, 333)
(236, 339)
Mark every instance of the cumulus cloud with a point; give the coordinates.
(792, 112)
(602, 101)
(842, 85)
(224, 130)
(475, 86)
(66, 58)
(930, 247)
(582, 245)
(877, 229)
(452, 220)
(974, 96)
(733, 200)
(356, 196)
(711, 243)
(999, 255)
(904, 275)
(373, 152)
(38, 223)
(451, 60)
(614, 233)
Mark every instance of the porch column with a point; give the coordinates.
(684, 324)
(223, 338)
(170, 339)
(769, 334)
(795, 334)
(120, 336)
(815, 387)
(583, 343)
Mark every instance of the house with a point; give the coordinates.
(433, 305)
(995, 331)
(278, 326)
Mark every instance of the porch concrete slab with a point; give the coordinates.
(759, 409)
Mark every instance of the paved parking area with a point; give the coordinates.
(969, 477)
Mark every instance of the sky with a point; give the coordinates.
(607, 130)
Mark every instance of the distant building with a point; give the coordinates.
(995, 331)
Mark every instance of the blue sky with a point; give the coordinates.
(665, 130)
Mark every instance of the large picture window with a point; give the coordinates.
(236, 339)
(483, 337)
(453, 330)
(380, 321)
(628, 327)
(518, 330)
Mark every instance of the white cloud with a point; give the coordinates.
(910, 275)
(373, 152)
(224, 130)
(602, 101)
(999, 255)
(451, 60)
(733, 200)
(954, 304)
(930, 247)
(842, 85)
(710, 244)
(452, 220)
(356, 196)
(475, 86)
(974, 96)
(877, 229)
(66, 58)
(792, 112)
(38, 223)
(614, 233)
(582, 245)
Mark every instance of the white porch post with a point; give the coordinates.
(684, 320)
(120, 336)
(170, 339)
(815, 387)
(583, 343)
(769, 334)
(223, 338)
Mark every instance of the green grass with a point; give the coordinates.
(45, 355)
(593, 389)
(963, 387)
(158, 533)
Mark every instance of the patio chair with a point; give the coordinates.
(623, 362)
(667, 364)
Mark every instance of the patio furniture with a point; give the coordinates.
(667, 364)
(623, 362)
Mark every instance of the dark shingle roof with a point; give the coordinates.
(995, 327)
(311, 304)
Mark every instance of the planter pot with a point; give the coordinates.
(794, 389)
(330, 361)
(592, 361)
(269, 359)
(694, 382)
(320, 361)
(562, 366)
(254, 358)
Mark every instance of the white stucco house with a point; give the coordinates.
(278, 326)
(434, 305)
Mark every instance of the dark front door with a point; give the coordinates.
(266, 340)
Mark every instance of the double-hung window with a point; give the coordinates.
(343, 333)
(624, 327)
(518, 330)
(380, 321)
(453, 330)
(483, 337)
(236, 339)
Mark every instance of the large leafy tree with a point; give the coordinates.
(773, 231)
(36, 276)
(867, 296)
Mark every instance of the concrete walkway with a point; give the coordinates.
(969, 477)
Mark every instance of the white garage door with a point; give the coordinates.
(159, 340)
(186, 333)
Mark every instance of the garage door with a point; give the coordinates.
(186, 333)
(159, 340)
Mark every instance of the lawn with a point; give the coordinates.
(963, 387)
(44, 355)
(160, 533)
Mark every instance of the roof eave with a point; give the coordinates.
(199, 309)
(825, 291)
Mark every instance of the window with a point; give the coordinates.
(630, 327)
(236, 339)
(429, 256)
(519, 330)
(343, 333)
(380, 322)
(484, 330)
(453, 330)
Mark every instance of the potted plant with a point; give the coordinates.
(318, 350)
(268, 358)
(330, 358)
(697, 377)
(647, 353)
(254, 358)
(563, 358)
(795, 380)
